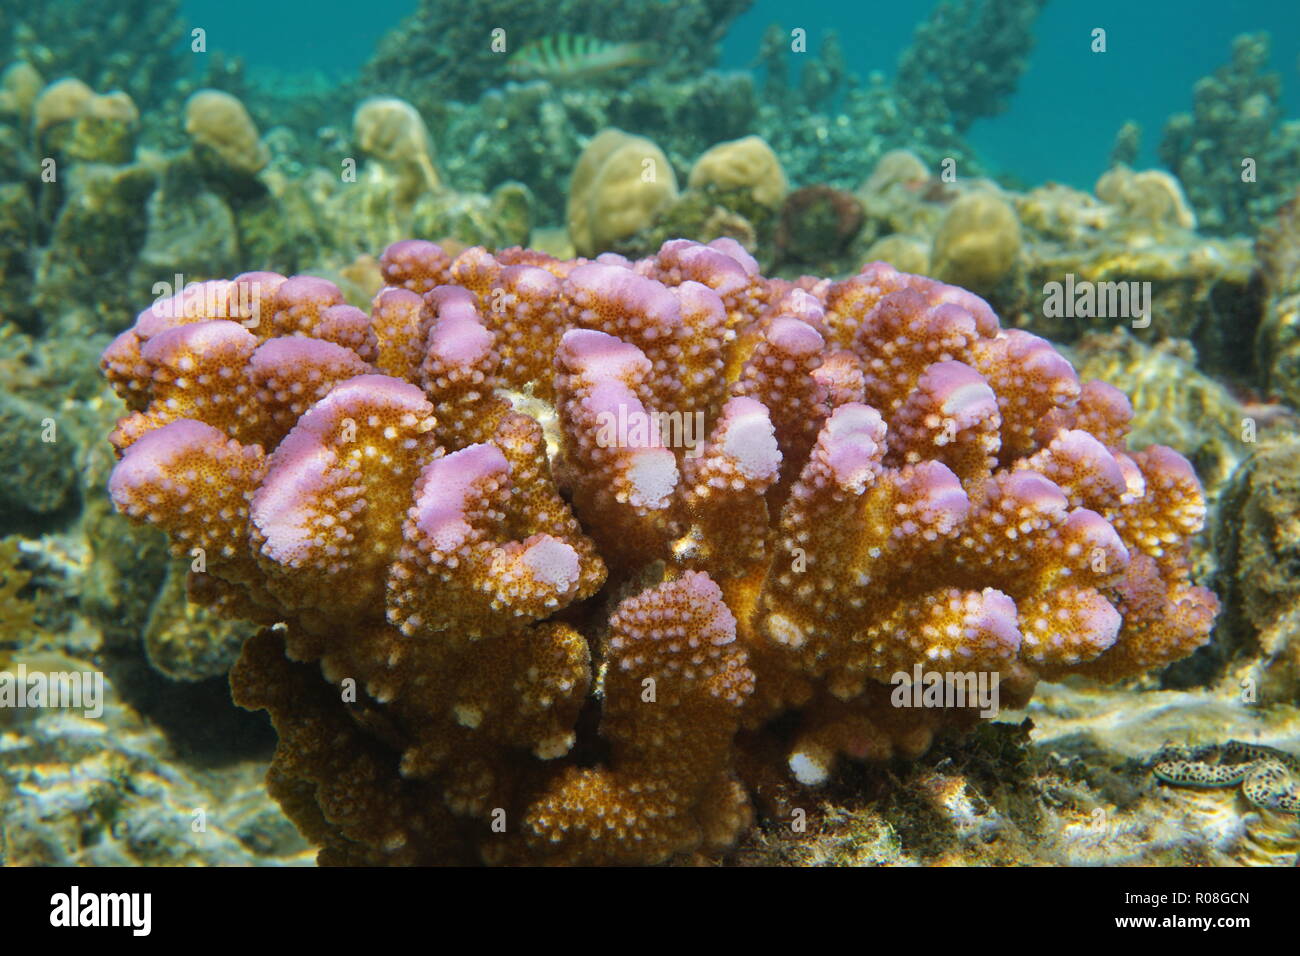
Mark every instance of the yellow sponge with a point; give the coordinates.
(620, 184)
(742, 163)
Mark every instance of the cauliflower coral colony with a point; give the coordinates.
(499, 629)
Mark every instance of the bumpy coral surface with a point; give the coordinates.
(566, 538)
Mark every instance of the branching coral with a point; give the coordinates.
(1232, 138)
(133, 45)
(567, 537)
(445, 52)
(942, 77)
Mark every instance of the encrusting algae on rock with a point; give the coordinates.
(544, 644)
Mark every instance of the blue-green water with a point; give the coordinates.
(1060, 123)
(334, 36)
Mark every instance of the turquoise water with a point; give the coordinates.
(293, 35)
(1060, 123)
(1070, 102)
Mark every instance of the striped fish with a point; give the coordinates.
(565, 57)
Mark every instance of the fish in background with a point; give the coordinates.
(564, 57)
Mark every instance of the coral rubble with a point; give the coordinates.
(111, 791)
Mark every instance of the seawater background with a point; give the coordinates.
(1060, 123)
(1062, 120)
